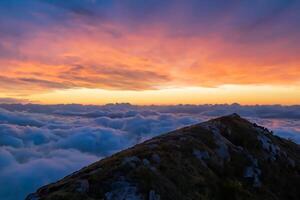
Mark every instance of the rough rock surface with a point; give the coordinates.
(224, 158)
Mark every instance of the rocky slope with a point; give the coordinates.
(224, 158)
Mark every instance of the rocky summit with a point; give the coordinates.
(224, 158)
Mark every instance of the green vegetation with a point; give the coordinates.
(226, 158)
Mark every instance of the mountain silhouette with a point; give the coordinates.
(224, 158)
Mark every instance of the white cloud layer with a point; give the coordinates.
(41, 144)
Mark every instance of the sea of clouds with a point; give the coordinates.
(40, 144)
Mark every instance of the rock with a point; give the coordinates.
(153, 195)
(131, 161)
(156, 158)
(146, 162)
(291, 162)
(222, 151)
(83, 186)
(269, 146)
(201, 155)
(253, 173)
(123, 190)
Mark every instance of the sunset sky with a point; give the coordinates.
(150, 51)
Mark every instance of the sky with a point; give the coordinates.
(150, 51)
(40, 144)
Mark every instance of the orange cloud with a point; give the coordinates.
(108, 56)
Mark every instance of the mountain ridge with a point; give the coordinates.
(224, 158)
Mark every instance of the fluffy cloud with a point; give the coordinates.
(18, 178)
(41, 144)
(19, 119)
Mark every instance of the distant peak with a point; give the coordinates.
(234, 115)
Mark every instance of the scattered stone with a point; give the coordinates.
(222, 151)
(153, 195)
(253, 172)
(146, 162)
(131, 161)
(229, 131)
(83, 186)
(284, 154)
(123, 190)
(269, 146)
(291, 162)
(202, 155)
(153, 169)
(220, 140)
(239, 148)
(156, 158)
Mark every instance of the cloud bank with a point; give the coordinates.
(40, 144)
